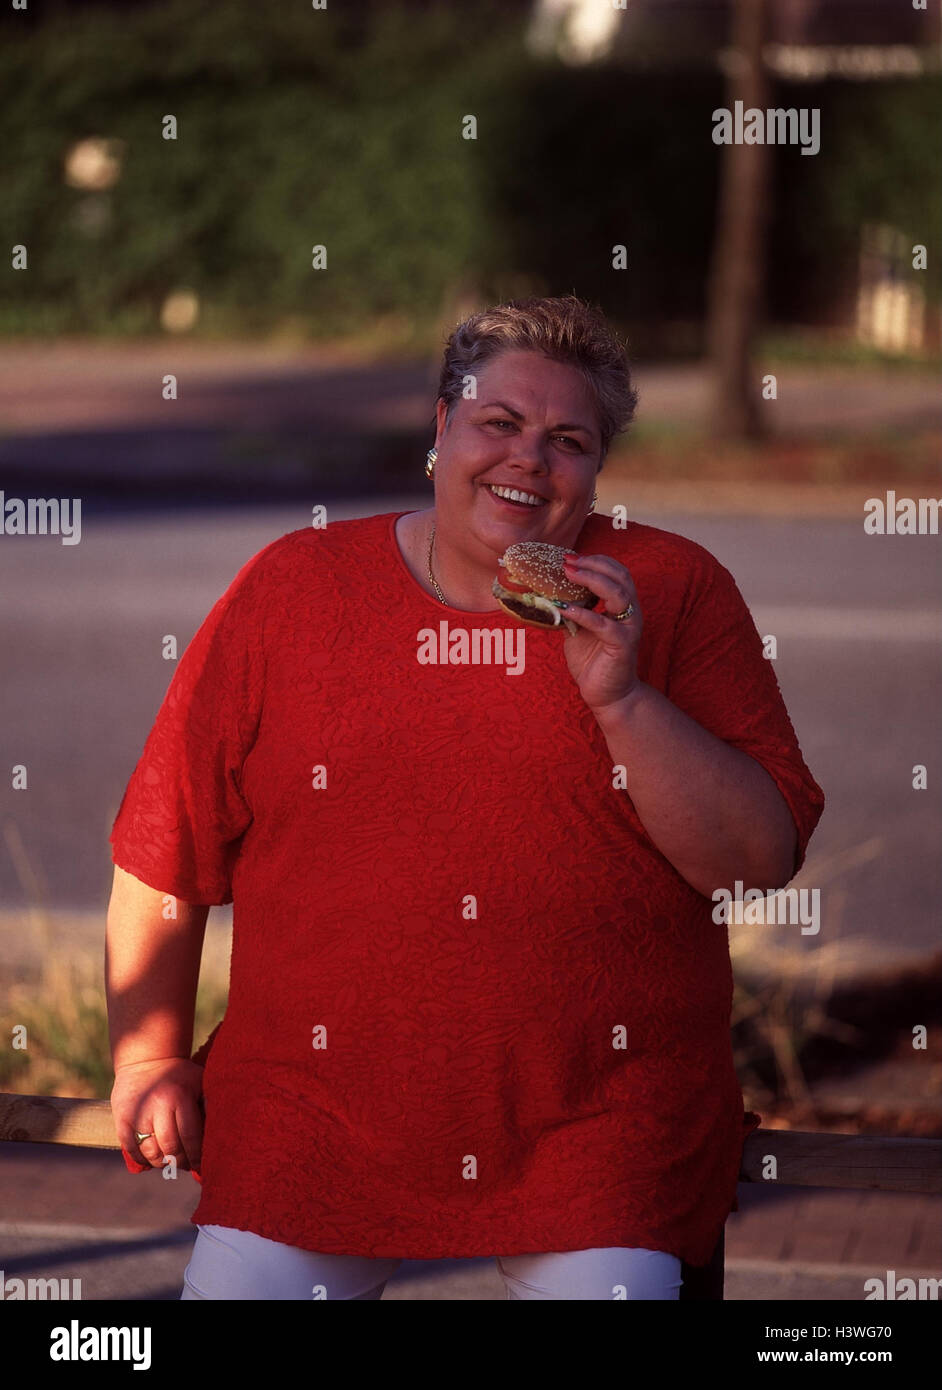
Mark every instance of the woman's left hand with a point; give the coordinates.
(603, 655)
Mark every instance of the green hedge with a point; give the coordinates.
(290, 135)
(299, 127)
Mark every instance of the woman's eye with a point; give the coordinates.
(567, 437)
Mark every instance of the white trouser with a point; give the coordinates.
(232, 1264)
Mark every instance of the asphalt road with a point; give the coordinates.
(857, 619)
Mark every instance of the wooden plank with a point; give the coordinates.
(87, 1124)
(802, 1159)
(844, 1160)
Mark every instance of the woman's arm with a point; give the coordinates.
(711, 809)
(151, 972)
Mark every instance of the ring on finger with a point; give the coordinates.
(623, 616)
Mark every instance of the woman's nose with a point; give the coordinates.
(528, 454)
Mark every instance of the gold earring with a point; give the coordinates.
(430, 461)
(595, 498)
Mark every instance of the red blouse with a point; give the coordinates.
(472, 1010)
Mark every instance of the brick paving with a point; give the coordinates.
(828, 1226)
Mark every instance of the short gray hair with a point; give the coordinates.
(564, 329)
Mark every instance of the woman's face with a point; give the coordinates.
(532, 428)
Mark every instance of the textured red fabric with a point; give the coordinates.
(455, 1043)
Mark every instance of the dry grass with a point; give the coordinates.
(773, 1025)
(884, 458)
(806, 1013)
(61, 1004)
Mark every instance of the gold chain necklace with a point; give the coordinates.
(434, 581)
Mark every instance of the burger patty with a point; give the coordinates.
(534, 607)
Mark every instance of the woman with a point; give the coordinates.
(479, 1003)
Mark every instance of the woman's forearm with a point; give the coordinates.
(151, 972)
(711, 810)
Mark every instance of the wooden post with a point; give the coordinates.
(704, 1283)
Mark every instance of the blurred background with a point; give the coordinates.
(168, 171)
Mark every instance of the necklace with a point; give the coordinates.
(434, 581)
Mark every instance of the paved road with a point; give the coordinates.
(856, 617)
(70, 387)
(81, 414)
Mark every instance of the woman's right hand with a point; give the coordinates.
(161, 1098)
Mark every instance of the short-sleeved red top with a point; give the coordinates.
(473, 1010)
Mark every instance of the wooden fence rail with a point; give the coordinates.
(801, 1159)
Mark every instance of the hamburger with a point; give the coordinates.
(531, 583)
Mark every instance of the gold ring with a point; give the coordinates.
(626, 613)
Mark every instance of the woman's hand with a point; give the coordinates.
(160, 1098)
(603, 655)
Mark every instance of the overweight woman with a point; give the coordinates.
(479, 1002)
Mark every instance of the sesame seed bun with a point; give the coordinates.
(532, 571)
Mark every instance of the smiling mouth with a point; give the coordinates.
(517, 496)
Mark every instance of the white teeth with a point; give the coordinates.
(514, 495)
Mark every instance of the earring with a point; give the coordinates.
(430, 460)
(595, 498)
